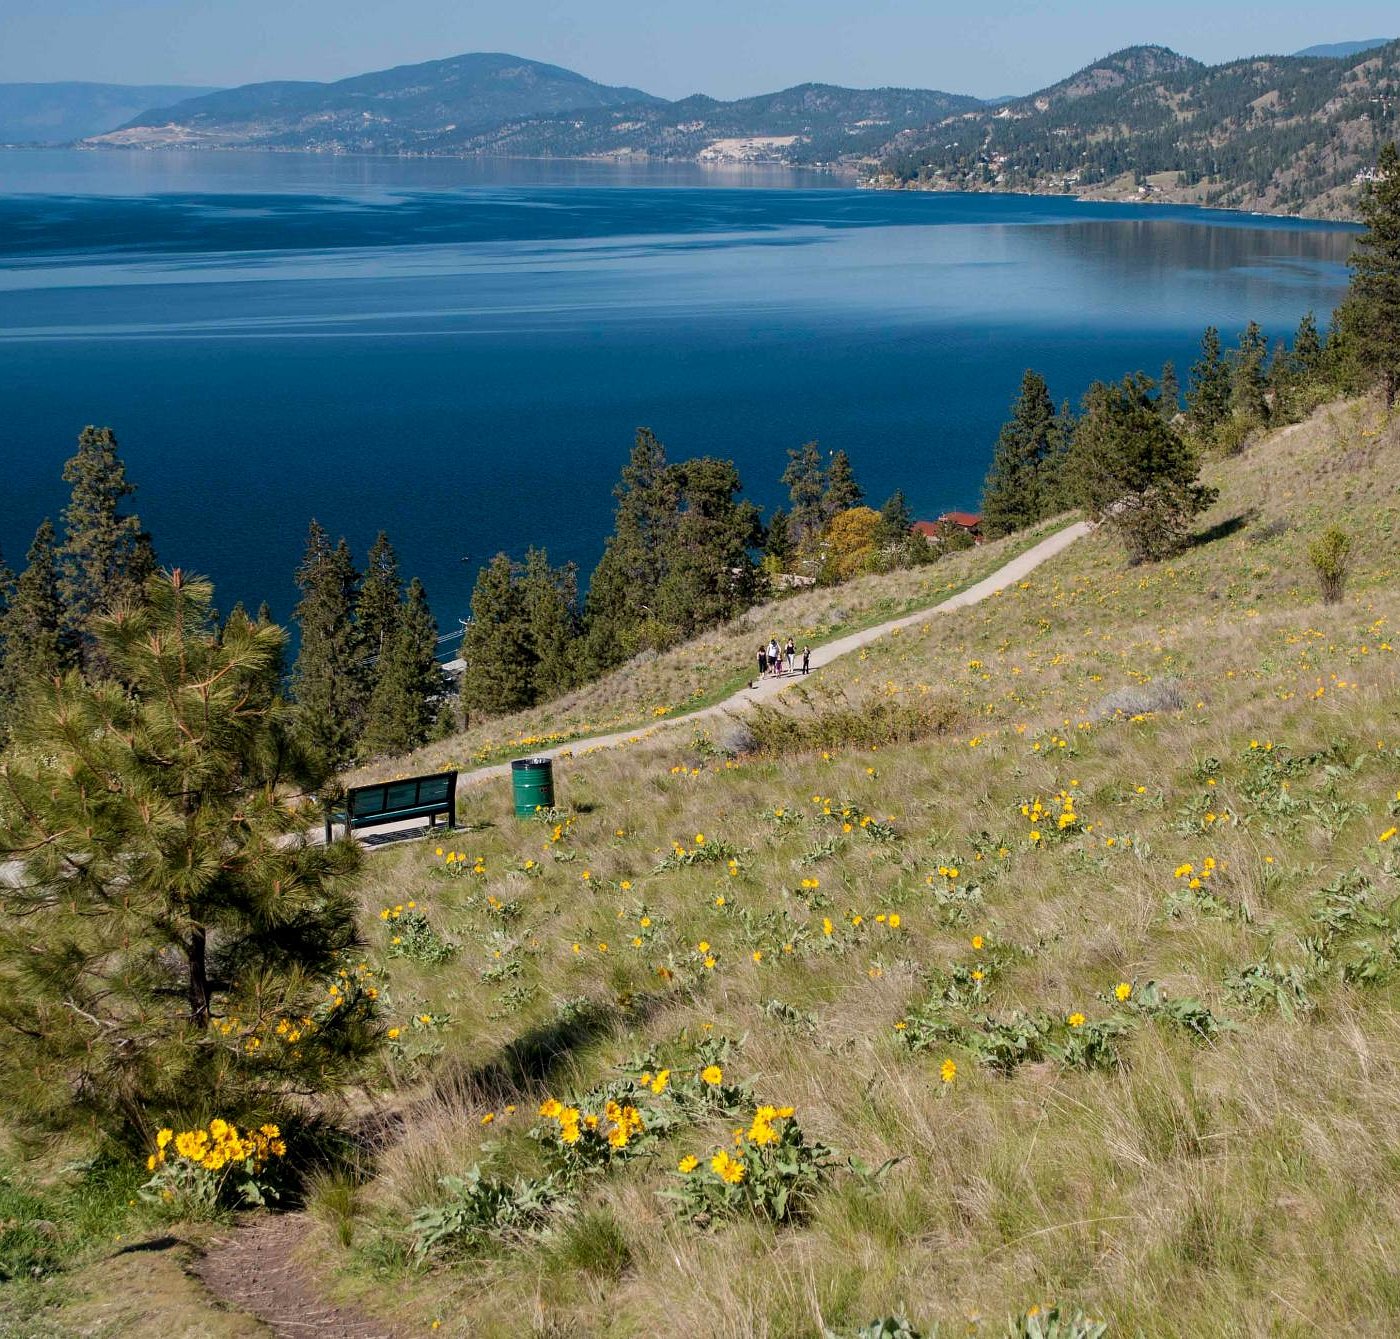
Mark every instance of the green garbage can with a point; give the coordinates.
(532, 783)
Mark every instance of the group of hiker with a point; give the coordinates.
(775, 661)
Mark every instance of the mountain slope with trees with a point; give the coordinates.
(501, 104)
(1284, 134)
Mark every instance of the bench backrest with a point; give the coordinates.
(390, 797)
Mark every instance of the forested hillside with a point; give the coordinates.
(1287, 134)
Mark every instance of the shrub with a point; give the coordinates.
(1330, 555)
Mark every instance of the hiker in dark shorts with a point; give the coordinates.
(806, 659)
(762, 661)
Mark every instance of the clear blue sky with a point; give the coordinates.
(670, 47)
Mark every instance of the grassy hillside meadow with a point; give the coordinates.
(654, 687)
(1116, 990)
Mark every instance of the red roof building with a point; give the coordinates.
(962, 520)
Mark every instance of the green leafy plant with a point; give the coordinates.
(773, 1173)
(1331, 557)
(411, 935)
(481, 1208)
(1054, 1322)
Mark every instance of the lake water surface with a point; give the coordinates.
(460, 352)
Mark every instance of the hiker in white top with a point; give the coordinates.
(775, 658)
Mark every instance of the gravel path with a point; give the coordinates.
(1010, 573)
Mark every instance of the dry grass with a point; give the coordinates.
(1233, 1187)
(652, 687)
(1237, 1186)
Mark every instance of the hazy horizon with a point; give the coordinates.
(724, 49)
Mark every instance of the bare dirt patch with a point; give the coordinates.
(253, 1268)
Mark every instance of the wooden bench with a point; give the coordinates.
(392, 801)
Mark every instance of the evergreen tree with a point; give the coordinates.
(379, 605)
(1169, 392)
(1307, 354)
(842, 492)
(168, 885)
(1134, 472)
(105, 558)
(777, 542)
(624, 582)
(497, 648)
(1371, 311)
(549, 598)
(896, 521)
(1011, 495)
(327, 681)
(1248, 380)
(806, 483)
(1208, 395)
(408, 681)
(708, 574)
(32, 645)
(1057, 487)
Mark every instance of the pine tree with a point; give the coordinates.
(806, 483)
(327, 682)
(777, 540)
(1208, 394)
(708, 573)
(1133, 472)
(105, 558)
(1057, 487)
(497, 650)
(621, 591)
(168, 885)
(896, 520)
(408, 682)
(1248, 380)
(1307, 354)
(1371, 310)
(1169, 392)
(32, 646)
(549, 599)
(1011, 495)
(379, 605)
(842, 492)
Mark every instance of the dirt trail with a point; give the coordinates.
(1009, 573)
(252, 1268)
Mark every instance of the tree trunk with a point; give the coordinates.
(199, 979)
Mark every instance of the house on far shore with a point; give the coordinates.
(970, 523)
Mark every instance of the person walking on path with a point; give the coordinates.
(806, 659)
(790, 651)
(762, 661)
(775, 657)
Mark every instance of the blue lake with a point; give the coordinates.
(459, 352)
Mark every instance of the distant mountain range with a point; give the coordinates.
(61, 113)
(498, 104)
(1283, 134)
(1336, 50)
(1286, 134)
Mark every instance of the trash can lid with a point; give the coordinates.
(529, 763)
